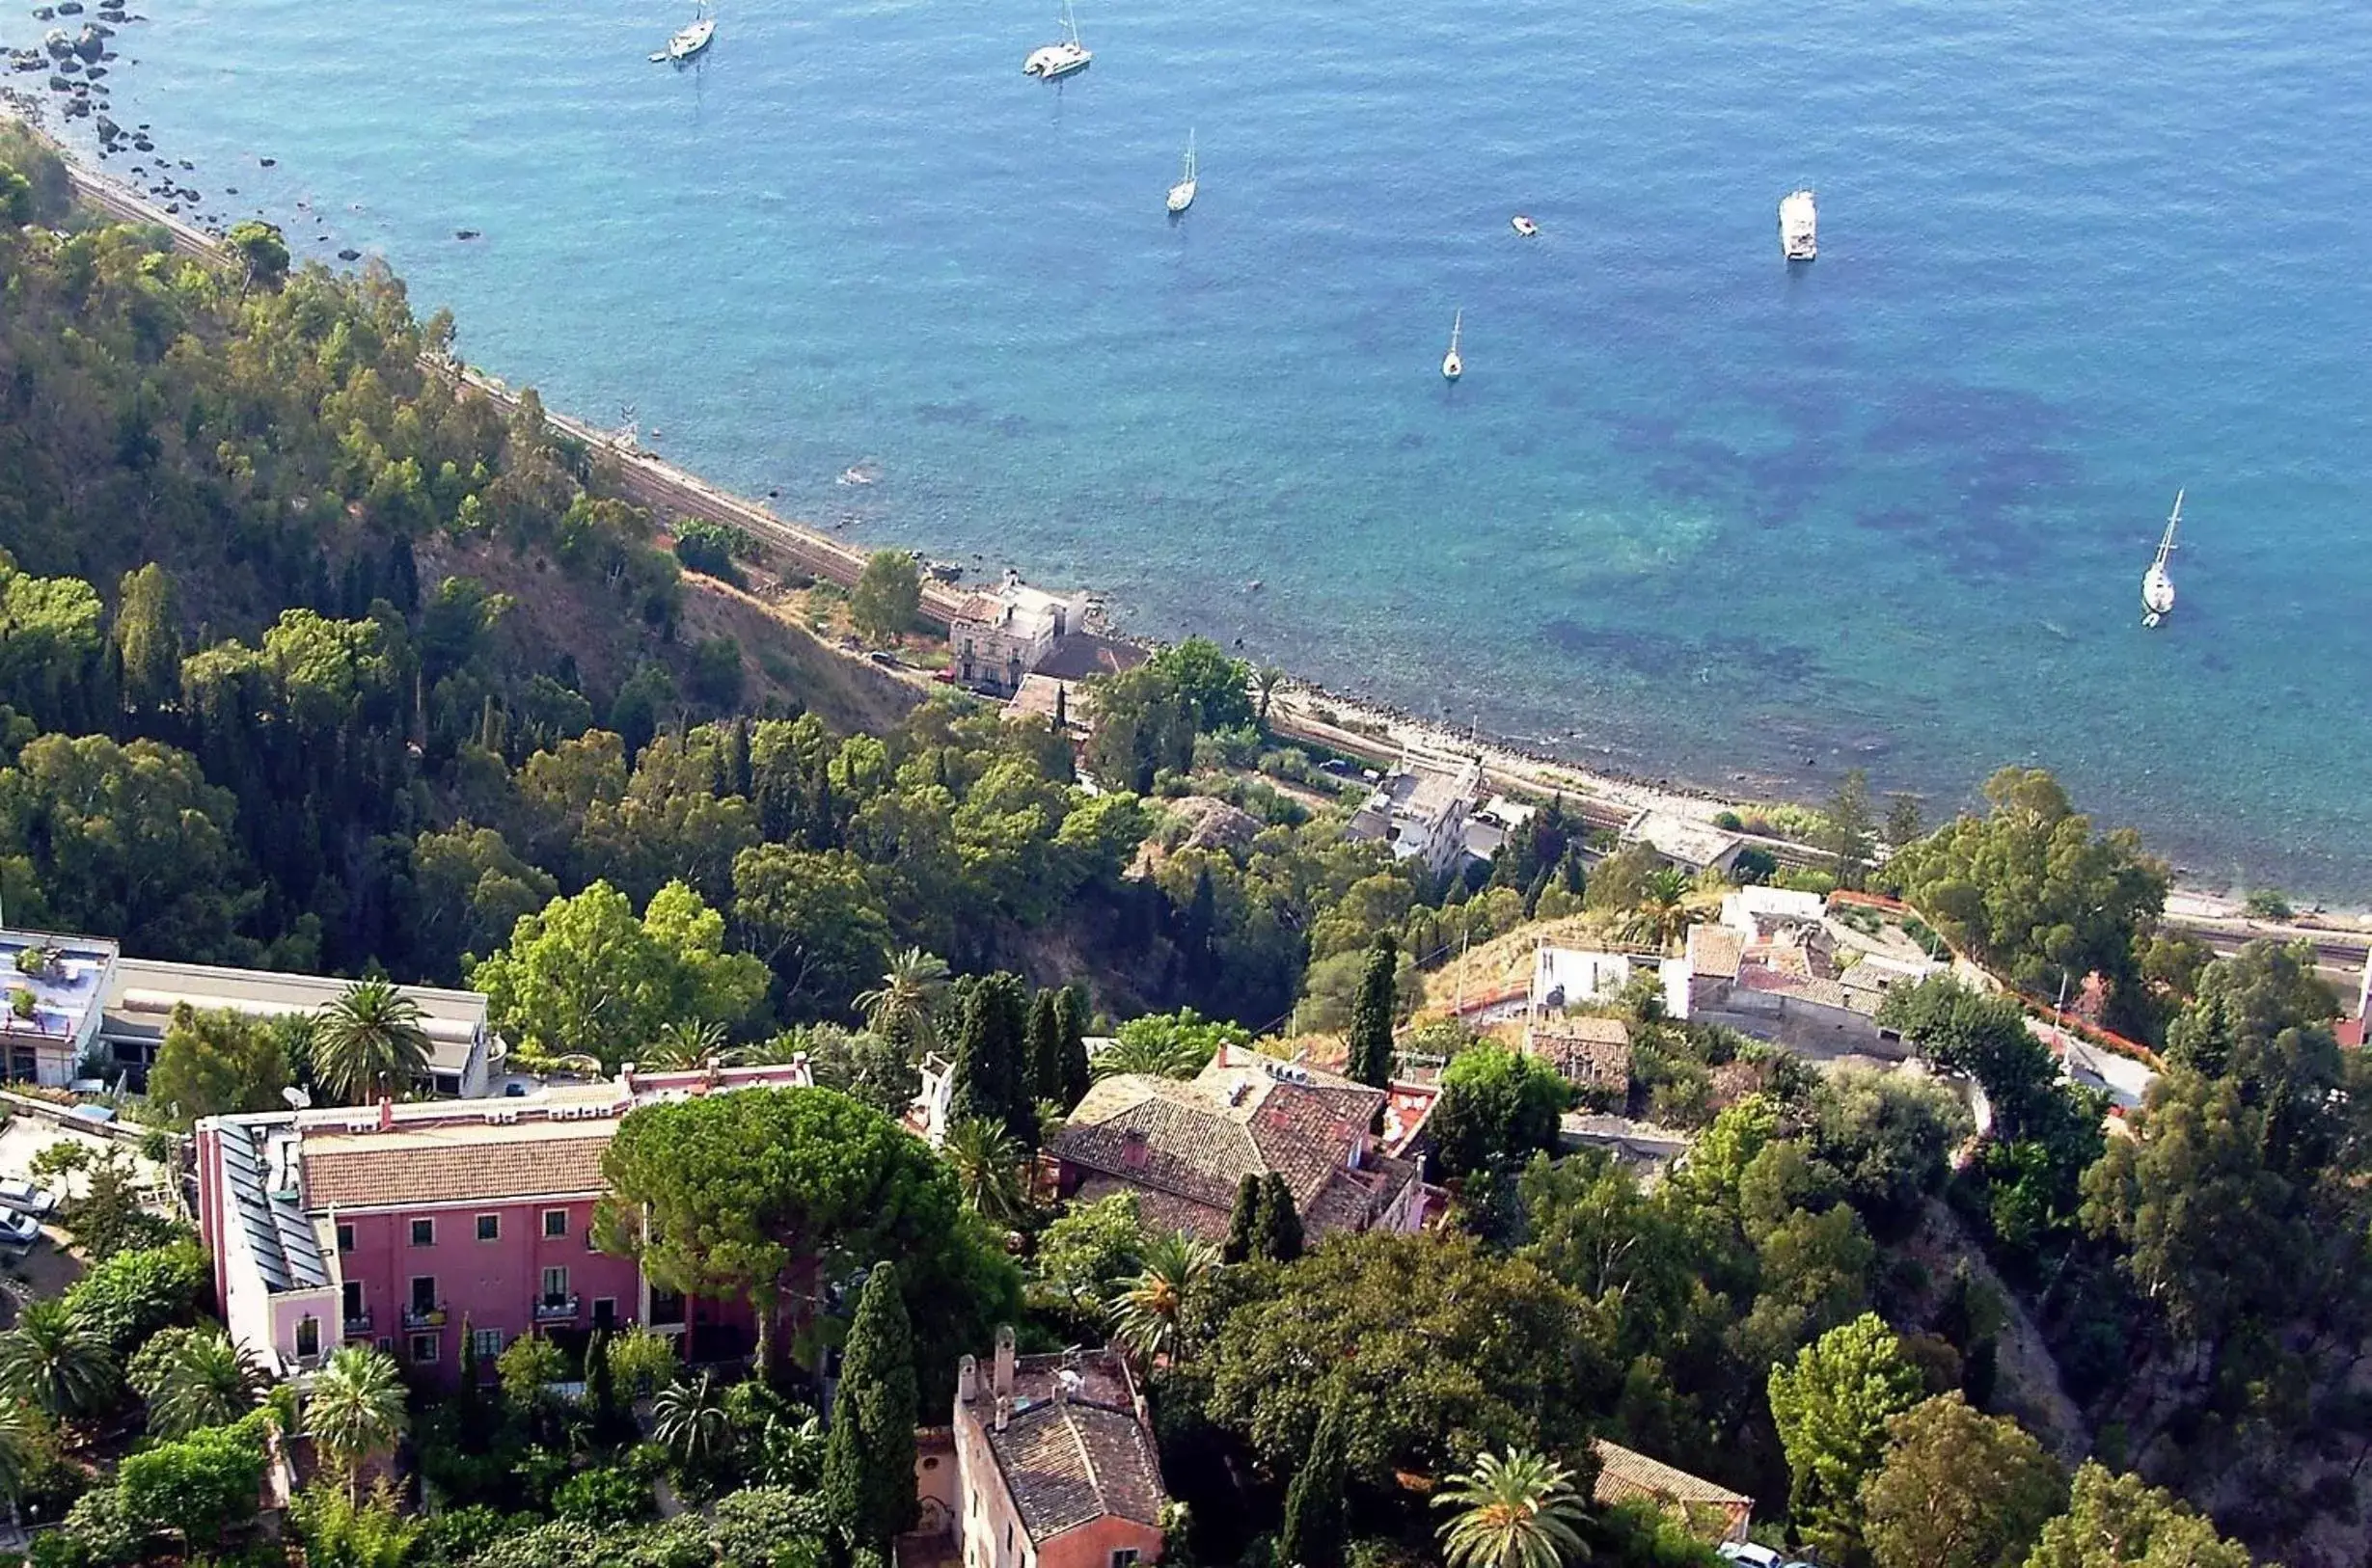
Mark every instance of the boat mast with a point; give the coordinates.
(2168, 543)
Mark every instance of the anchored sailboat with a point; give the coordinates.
(1452, 367)
(690, 41)
(1059, 59)
(2157, 588)
(1182, 194)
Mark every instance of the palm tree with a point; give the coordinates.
(902, 1005)
(1146, 1313)
(1266, 681)
(1513, 1512)
(987, 1163)
(688, 1420)
(1151, 1055)
(51, 1361)
(17, 1451)
(210, 1381)
(369, 1042)
(685, 1042)
(1663, 915)
(355, 1409)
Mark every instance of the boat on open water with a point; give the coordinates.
(1799, 225)
(2157, 585)
(1452, 367)
(688, 41)
(1182, 194)
(1060, 59)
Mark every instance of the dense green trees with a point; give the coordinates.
(586, 977)
(868, 1481)
(888, 596)
(1958, 1489)
(214, 1063)
(2030, 888)
(2114, 1520)
(1832, 1408)
(1498, 1108)
(1312, 1532)
(748, 1193)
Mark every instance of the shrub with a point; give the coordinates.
(604, 1497)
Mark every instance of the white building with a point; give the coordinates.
(1692, 846)
(1564, 977)
(88, 1010)
(999, 636)
(1420, 810)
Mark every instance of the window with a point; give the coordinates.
(556, 1287)
(489, 1228)
(423, 1233)
(346, 1238)
(605, 1312)
(350, 1300)
(1009, 1542)
(488, 1341)
(930, 1462)
(424, 1347)
(308, 1336)
(423, 1293)
(556, 1222)
(1125, 1557)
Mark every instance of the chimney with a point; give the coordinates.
(386, 1114)
(967, 1380)
(1004, 1367)
(1004, 1412)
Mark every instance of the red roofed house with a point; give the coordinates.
(392, 1224)
(1710, 1512)
(1055, 1465)
(1184, 1148)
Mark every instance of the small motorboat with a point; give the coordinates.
(1799, 225)
(1523, 226)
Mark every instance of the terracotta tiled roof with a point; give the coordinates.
(1245, 1114)
(1160, 1212)
(1714, 951)
(447, 1165)
(1624, 1475)
(1069, 1464)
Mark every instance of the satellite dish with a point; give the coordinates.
(297, 1098)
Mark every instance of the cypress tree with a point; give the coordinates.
(1243, 1223)
(991, 1076)
(868, 1482)
(1371, 1015)
(601, 1386)
(1276, 1226)
(1313, 1532)
(1044, 1054)
(1070, 1016)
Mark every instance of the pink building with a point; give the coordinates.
(394, 1225)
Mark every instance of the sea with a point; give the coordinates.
(1692, 514)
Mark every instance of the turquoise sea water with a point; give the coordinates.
(1689, 514)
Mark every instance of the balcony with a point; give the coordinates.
(358, 1324)
(556, 1309)
(424, 1318)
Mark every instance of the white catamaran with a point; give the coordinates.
(1182, 194)
(690, 41)
(1452, 367)
(1059, 59)
(2157, 588)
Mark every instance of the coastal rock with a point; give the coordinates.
(465, 233)
(45, 13)
(95, 73)
(349, 255)
(267, 162)
(69, 8)
(70, 67)
(108, 130)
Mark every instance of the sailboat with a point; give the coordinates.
(2157, 588)
(1059, 59)
(691, 41)
(1182, 194)
(1452, 367)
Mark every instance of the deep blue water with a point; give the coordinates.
(1689, 513)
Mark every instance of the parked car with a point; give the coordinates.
(19, 1230)
(21, 1197)
(1751, 1554)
